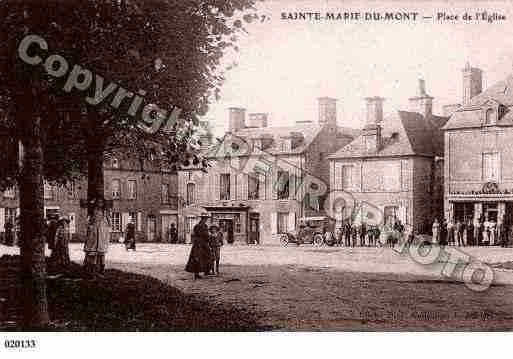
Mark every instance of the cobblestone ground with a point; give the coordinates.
(326, 288)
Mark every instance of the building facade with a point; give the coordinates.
(146, 197)
(256, 193)
(478, 152)
(395, 168)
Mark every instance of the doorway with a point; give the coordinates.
(254, 228)
(490, 211)
(226, 226)
(152, 226)
(167, 220)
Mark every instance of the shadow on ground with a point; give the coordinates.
(121, 301)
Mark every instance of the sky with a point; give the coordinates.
(285, 65)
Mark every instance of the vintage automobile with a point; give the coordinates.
(312, 230)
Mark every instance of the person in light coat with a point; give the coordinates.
(97, 242)
(435, 230)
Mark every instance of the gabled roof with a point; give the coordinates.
(309, 131)
(403, 134)
(470, 115)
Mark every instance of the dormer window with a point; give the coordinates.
(489, 116)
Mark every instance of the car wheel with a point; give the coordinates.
(317, 240)
(284, 239)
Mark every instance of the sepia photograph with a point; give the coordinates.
(241, 167)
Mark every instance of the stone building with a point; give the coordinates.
(147, 197)
(478, 152)
(395, 165)
(252, 204)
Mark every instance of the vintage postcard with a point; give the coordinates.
(255, 166)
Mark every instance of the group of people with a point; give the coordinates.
(477, 232)
(206, 249)
(363, 235)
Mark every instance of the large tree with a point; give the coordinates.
(68, 122)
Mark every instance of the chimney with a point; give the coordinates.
(205, 135)
(236, 119)
(257, 120)
(422, 103)
(472, 82)
(327, 111)
(372, 130)
(374, 109)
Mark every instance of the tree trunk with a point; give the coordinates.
(95, 180)
(35, 313)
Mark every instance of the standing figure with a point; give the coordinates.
(130, 236)
(486, 232)
(354, 235)
(443, 233)
(52, 231)
(173, 233)
(363, 235)
(469, 230)
(347, 234)
(200, 259)
(478, 232)
(458, 230)
(493, 232)
(97, 242)
(216, 242)
(9, 235)
(60, 252)
(435, 232)
(450, 232)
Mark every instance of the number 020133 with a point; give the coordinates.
(20, 344)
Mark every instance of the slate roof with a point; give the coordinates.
(403, 134)
(470, 115)
(309, 131)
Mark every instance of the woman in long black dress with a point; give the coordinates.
(200, 259)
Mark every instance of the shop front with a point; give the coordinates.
(233, 221)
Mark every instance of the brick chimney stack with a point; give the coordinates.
(237, 118)
(422, 103)
(327, 111)
(374, 109)
(472, 82)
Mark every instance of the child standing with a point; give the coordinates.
(216, 242)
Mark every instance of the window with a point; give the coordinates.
(282, 222)
(132, 189)
(321, 156)
(9, 193)
(115, 163)
(165, 193)
(490, 166)
(237, 223)
(391, 176)
(116, 188)
(390, 213)
(224, 181)
(283, 185)
(132, 217)
(253, 186)
(10, 216)
(116, 222)
(489, 117)
(48, 191)
(191, 195)
(72, 190)
(346, 177)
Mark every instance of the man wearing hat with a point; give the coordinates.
(200, 259)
